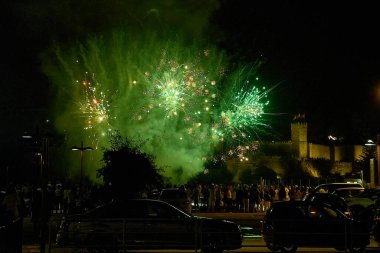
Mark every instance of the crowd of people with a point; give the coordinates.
(18, 201)
(242, 198)
(68, 198)
(38, 203)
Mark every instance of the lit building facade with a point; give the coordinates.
(341, 156)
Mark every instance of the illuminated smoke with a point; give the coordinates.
(181, 99)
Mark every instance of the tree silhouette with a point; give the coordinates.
(128, 171)
(363, 163)
(215, 172)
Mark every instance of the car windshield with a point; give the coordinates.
(328, 198)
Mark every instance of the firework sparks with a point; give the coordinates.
(242, 112)
(183, 99)
(94, 107)
(180, 88)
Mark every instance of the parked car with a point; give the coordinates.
(348, 192)
(177, 197)
(288, 225)
(146, 224)
(364, 215)
(365, 199)
(364, 205)
(330, 187)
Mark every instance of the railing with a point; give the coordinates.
(196, 243)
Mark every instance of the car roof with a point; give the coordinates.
(349, 188)
(339, 184)
(172, 189)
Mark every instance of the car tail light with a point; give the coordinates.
(376, 218)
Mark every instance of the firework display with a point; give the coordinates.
(182, 99)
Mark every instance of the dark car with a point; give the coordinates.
(288, 225)
(376, 225)
(146, 224)
(367, 198)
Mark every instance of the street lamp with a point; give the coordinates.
(377, 144)
(43, 154)
(81, 149)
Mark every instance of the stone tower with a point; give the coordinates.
(300, 147)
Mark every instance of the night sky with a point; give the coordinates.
(326, 59)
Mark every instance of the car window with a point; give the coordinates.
(100, 212)
(321, 212)
(286, 212)
(330, 199)
(133, 209)
(296, 212)
(159, 210)
(328, 212)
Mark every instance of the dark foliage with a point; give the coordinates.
(363, 163)
(128, 171)
(254, 176)
(215, 172)
(294, 170)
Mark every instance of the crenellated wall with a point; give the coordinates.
(337, 153)
(319, 151)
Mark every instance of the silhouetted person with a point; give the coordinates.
(282, 193)
(36, 206)
(12, 204)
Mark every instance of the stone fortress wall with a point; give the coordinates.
(299, 147)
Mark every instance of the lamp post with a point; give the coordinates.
(81, 149)
(377, 144)
(378, 158)
(43, 155)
